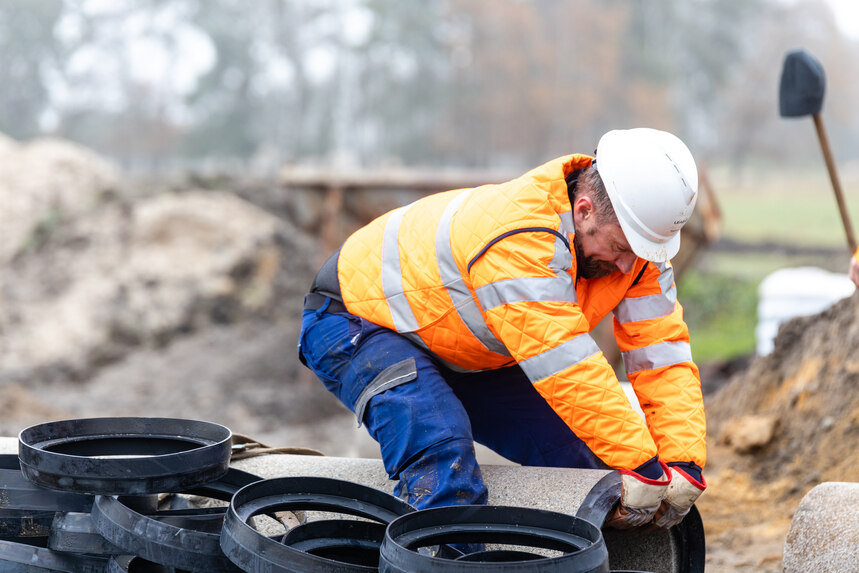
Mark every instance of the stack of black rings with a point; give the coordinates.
(82, 496)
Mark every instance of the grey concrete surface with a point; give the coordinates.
(555, 489)
(824, 531)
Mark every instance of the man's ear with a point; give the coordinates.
(583, 208)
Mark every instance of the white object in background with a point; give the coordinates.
(788, 293)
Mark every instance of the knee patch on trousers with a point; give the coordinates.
(392, 376)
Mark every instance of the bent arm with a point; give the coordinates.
(654, 341)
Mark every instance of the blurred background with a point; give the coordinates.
(167, 89)
(163, 85)
(173, 171)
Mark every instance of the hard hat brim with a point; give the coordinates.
(650, 250)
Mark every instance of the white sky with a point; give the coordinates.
(847, 16)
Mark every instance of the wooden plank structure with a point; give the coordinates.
(408, 184)
(702, 229)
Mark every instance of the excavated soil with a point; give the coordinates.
(787, 423)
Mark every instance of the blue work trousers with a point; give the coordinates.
(426, 417)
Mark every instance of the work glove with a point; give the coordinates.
(682, 493)
(640, 498)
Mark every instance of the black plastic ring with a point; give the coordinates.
(134, 564)
(21, 493)
(76, 532)
(601, 499)
(73, 532)
(580, 541)
(224, 488)
(343, 540)
(27, 510)
(157, 541)
(687, 536)
(255, 553)
(124, 456)
(499, 556)
(22, 558)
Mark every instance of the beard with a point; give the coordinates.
(589, 267)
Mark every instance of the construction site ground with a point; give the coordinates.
(233, 375)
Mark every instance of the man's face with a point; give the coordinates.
(601, 249)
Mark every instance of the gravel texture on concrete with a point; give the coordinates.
(824, 531)
(554, 489)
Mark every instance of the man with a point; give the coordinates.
(465, 316)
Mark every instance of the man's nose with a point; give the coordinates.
(625, 262)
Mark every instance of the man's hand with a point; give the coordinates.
(640, 498)
(682, 493)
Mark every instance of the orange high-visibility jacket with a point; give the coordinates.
(485, 278)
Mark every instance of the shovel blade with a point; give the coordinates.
(802, 85)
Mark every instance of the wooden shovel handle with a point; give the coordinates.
(833, 176)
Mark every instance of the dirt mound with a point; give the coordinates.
(809, 387)
(787, 423)
(44, 182)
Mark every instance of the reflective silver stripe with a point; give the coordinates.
(562, 260)
(531, 289)
(656, 356)
(650, 306)
(459, 293)
(646, 307)
(666, 276)
(559, 358)
(392, 275)
(567, 227)
(403, 317)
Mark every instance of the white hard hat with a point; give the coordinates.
(652, 181)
